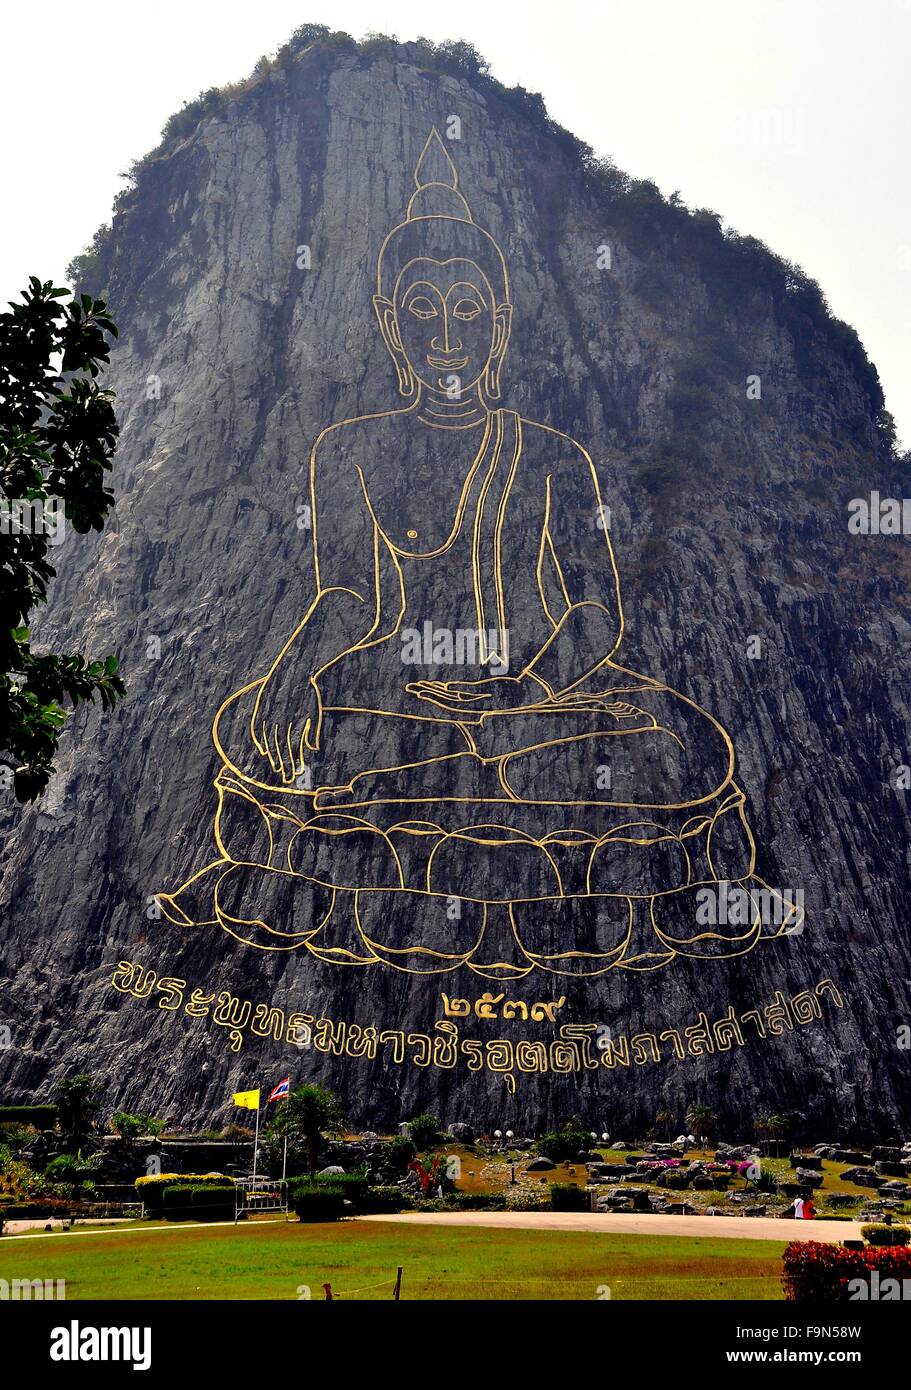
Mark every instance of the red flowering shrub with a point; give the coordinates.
(819, 1273)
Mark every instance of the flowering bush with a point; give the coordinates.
(821, 1273)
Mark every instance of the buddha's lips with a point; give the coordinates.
(453, 364)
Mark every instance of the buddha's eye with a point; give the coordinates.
(466, 309)
(422, 307)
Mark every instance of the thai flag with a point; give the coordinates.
(281, 1090)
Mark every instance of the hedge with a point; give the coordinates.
(41, 1116)
(34, 1211)
(204, 1201)
(479, 1201)
(151, 1190)
(378, 1201)
(319, 1202)
(885, 1235)
(819, 1273)
(565, 1197)
(354, 1185)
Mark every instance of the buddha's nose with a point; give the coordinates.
(449, 344)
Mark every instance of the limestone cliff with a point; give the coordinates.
(636, 325)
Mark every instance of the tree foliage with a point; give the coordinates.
(57, 438)
(78, 1102)
(309, 1113)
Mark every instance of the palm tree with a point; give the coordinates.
(773, 1129)
(309, 1113)
(664, 1123)
(701, 1121)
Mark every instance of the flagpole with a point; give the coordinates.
(256, 1139)
(285, 1153)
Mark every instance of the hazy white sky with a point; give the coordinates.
(789, 117)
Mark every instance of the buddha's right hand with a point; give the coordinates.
(286, 741)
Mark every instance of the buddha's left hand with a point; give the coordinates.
(483, 696)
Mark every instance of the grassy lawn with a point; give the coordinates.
(259, 1261)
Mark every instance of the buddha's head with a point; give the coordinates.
(442, 298)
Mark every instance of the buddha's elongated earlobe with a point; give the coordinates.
(407, 380)
(498, 351)
(385, 315)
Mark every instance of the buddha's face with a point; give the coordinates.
(445, 324)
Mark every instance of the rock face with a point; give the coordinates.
(731, 422)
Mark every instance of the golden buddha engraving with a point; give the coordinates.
(547, 810)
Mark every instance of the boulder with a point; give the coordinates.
(540, 1165)
(891, 1170)
(674, 1178)
(863, 1177)
(332, 1171)
(794, 1189)
(806, 1161)
(887, 1153)
(608, 1201)
(810, 1178)
(850, 1156)
(463, 1132)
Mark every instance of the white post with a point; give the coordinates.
(256, 1143)
(285, 1158)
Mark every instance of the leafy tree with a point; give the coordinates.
(399, 1153)
(78, 1102)
(309, 1113)
(563, 1144)
(132, 1127)
(57, 437)
(424, 1131)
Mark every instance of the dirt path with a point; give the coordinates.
(631, 1223)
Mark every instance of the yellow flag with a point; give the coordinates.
(246, 1100)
